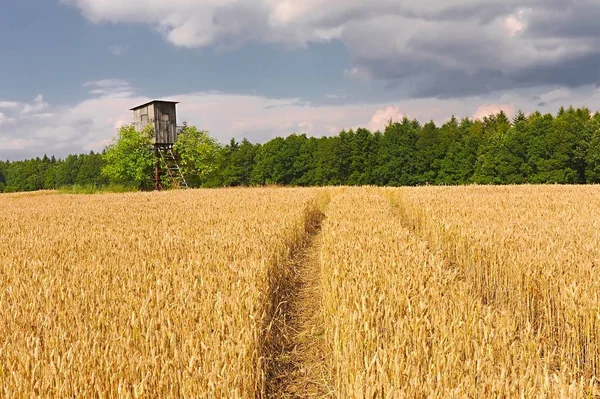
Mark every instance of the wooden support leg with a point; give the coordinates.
(156, 172)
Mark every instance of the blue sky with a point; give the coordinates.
(71, 69)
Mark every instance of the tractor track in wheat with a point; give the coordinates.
(295, 364)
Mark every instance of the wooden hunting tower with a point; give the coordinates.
(162, 115)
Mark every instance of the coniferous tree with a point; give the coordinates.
(519, 117)
(593, 159)
(3, 168)
(397, 162)
(238, 161)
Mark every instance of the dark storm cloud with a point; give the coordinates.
(572, 73)
(522, 48)
(240, 23)
(424, 80)
(567, 20)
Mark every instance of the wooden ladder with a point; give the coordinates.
(172, 166)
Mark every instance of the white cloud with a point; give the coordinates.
(43, 115)
(8, 104)
(331, 129)
(4, 120)
(357, 73)
(305, 127)
(36, 106)
(335, 96)
(514, 24)
(106, 83)
(118, 49)
(92, 123)
(109, 88)
(13, 144)
(382, 117)
(492, 109)
(555, 95)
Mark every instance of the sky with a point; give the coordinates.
(70, 70)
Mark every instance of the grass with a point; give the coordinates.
(93, 189)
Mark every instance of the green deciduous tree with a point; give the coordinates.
(130, 158)
(199, 154)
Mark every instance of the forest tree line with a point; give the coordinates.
(534, 149)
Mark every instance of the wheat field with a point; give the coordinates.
(339, 292)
